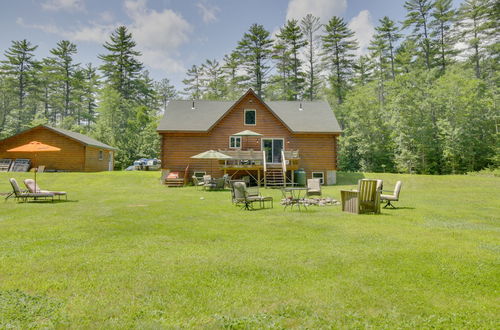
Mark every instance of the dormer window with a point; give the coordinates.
(250, 117)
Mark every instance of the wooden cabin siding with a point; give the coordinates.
(70, 158)
(317, 151)
(92, 162)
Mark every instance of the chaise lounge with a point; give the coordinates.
(24, 195)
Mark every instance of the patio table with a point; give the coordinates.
(294, 196)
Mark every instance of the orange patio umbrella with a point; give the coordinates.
(34, 147)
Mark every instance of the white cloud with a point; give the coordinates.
(66, 5)
(208, 12)
(324, 9)
(93, 33)
(158, 34)
(363, 27)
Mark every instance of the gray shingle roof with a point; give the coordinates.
(81, 138)
(315, 116)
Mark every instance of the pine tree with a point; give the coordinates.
(338, 46)
(213, 80)
(473, 26)
(292, 39)
(443, 16)
(64, 70)
(280, 82)
(232, 63)
(418, 16)
(254, 49)
(193, 83)
(91, 86)
(310, 26)
(363, 71)
(165, 92)
(388, 31)
(121, 67)
(18, 68)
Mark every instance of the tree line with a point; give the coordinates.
(422, 100)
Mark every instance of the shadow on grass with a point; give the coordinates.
(398, 208)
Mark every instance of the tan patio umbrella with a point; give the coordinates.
(247, 133)
(34, 147)
(211, 154)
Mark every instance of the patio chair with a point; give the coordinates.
(313, 187)
(24, 195)
(207, 181)
(392, 198)
(363, 200)
(241, 196)
(34, 188)
(196, 182)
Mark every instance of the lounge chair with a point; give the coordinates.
(34, 188)
(363, 200)
(242, 196)
(25, 195)
(392, 198)
(313, 187)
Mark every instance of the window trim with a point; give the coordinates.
(236, 137)
(101, 155)
(322, 179)
(245, 117)
(199, 172)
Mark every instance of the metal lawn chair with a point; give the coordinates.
(392, 198)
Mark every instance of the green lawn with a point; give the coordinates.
(128, 252)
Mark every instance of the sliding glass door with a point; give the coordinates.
(273, 148)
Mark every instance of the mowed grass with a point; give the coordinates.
(125, 252)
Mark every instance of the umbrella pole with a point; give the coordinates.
(36, 169)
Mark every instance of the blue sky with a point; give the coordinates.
(173, 34)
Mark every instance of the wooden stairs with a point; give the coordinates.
(274, 177)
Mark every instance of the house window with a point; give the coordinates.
(319, 175)
(101, 155)
(250, 117)
(199, 175)
(235, 142)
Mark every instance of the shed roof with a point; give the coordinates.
(72, 135)
(80, 138)
(298, 116)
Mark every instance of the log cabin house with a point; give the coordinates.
(79, 153)
(292, 135)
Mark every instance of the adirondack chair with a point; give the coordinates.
(363, 200)
(313, 187)
(392, 198)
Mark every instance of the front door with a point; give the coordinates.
(273, 148)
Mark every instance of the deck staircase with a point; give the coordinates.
(274, 177)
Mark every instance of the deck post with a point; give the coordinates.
(258, 177)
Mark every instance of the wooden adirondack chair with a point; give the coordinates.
(363, 200)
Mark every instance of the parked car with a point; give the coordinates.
(145, 164)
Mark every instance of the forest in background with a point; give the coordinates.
(423, 100)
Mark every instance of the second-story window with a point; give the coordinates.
(250, 117)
